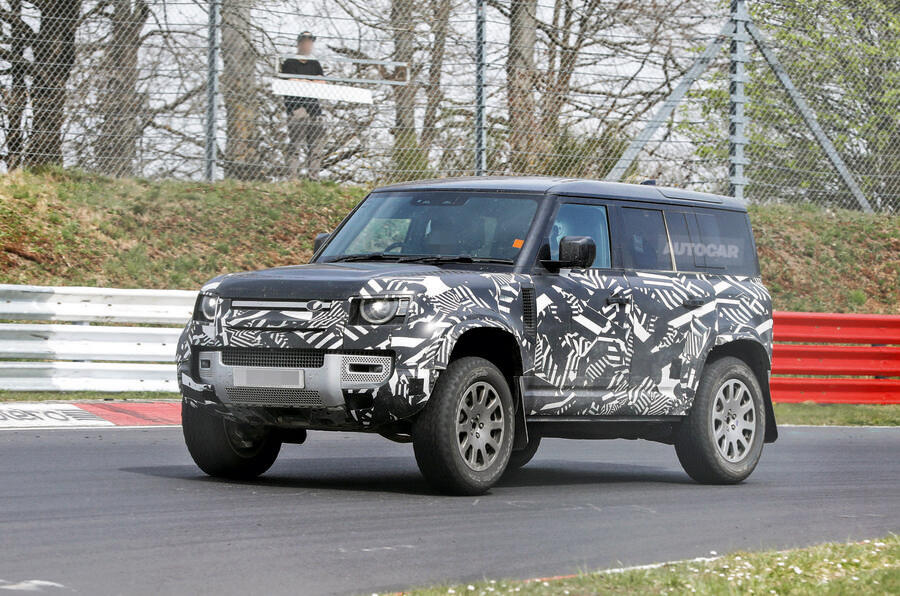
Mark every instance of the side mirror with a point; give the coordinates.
(320, 240)
(576, 252)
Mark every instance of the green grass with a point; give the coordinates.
(838, 414)
(824, 260)
(70, 396)
(867, 567)
(68, 227)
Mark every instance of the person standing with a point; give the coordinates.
(304, 113)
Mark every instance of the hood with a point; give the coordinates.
(322, 281)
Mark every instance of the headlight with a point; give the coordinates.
(205, 309)
(381, 310)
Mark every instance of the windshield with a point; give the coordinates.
(460, 226)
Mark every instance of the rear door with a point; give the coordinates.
(583, 343)
(672, 315)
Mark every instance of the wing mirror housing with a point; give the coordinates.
(320, 240)
(575, 252)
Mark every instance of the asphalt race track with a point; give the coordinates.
(125, 511)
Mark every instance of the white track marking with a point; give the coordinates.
(29, 585)
(47, 415)
(146, 427)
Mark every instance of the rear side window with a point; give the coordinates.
(726, 245)
(645, 240)
(683, 241)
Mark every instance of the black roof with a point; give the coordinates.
(572, 187)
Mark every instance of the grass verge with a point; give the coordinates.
(867, 567)
(805, 413)
(838, 414)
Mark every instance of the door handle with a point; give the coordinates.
(618, 299)
(694, 302)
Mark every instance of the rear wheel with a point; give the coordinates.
(463, 437)
(227, 449)
(721, 439)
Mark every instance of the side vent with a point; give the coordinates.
(528, 310)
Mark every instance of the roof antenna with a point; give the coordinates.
(649, 182)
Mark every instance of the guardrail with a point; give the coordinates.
(79, 357)
(815, 357)
(71, 357)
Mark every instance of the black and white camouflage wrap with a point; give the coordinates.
(581, 356)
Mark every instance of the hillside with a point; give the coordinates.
(70, 228)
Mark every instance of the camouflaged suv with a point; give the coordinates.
(474, 317)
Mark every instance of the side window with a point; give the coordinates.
(725, 243)
(645, 240)
(582, 220)
(683, 242)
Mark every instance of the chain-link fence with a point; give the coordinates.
(423, 88)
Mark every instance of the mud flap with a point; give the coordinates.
(520, 440)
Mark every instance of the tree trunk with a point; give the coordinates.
(406, 156)
(120, 103)
(520, 78)
(54, 55)
(440, 23)
(18, 92)
(239, 92)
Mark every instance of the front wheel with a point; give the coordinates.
(227, 449)
(463, 437)
(721, 439)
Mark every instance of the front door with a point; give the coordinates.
(583, 343)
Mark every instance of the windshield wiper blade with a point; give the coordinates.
(452, 259)
(372, 256)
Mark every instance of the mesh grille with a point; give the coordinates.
(528, 309)
(347, 376)
(274, 358)
(274, 396)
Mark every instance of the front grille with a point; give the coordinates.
(273, 358)
(274, 397)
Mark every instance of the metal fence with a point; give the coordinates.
(426, 88)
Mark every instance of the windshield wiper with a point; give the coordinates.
(452, 259)
(372, 256)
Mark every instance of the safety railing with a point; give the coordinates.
(834, 372)
(111, 356)
(82, 355)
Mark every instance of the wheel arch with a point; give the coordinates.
(755, 355)
(496, 344)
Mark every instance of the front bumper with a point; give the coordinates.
(322, 385)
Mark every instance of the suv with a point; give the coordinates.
(475, 316)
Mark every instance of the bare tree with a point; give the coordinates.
(51, 45)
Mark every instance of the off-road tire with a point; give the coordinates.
(436, 438)
(215, 453)
(695, 443)
(521, 457)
